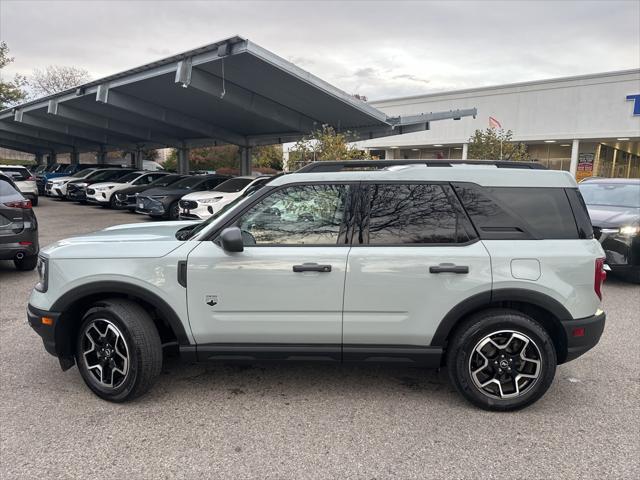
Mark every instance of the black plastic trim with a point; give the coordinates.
(593, 328)
(414, 354)
(106, 288)
(268, 352)
(182, 273)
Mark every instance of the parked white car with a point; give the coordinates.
(202, 205)
(102, 193)
(24, 180)
(57, 187)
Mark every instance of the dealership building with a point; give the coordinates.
(589, 124)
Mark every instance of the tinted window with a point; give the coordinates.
(165, 180)
(189, 182)
(413, 213)
(214, 182)
(17, 173)
(129, 177)
(233, 185)
(6, 189)
(297, 215)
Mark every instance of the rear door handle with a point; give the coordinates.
(311, 267)
(449, 268)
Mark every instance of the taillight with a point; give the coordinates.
(600, 277)
(19, 204)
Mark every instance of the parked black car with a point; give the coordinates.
(77, 189)
(614, 208)
(163, 202)
(126, 198)
(18, 227)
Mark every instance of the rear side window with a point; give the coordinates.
(510, 213)
(16, 173)
(397, 214)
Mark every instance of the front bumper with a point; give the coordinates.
(150, 206)
(621, 250)
(583, 334)
(47, 332)
(77, 195)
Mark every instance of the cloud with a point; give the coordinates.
(378, 48)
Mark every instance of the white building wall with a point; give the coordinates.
(585, 107)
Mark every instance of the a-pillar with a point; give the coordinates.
(573, 166)
(51, 159)
(245, 161)
(183, 160)
(75, 157)
(39, 158)
(465, 151)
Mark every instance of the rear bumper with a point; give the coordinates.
(583, 334)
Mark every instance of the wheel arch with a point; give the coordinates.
(74, 303)
(541, 307)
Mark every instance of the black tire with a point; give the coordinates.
(174, 211)
(27, 263)
(34, 201)
(142, 346)
(462, 346)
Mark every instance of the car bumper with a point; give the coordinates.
(35, 318)
(77, 196)
(621, 250)
(9, 251)
(583, 334)
(151, 207)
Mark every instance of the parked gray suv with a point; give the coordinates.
(18, 227)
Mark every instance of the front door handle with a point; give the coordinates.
(312, 267)
(449, 268)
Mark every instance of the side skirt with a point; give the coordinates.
(414, 355)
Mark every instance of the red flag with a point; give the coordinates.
(493, 123)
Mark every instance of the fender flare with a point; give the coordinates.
(487, 299)
(123, 288)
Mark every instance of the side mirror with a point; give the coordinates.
(231, 240)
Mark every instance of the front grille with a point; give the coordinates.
(90, 191)
(188, 204)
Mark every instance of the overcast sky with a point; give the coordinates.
(379, 49)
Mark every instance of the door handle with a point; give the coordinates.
(311, 267)
(449, 268)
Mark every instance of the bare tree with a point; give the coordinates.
(56, 78)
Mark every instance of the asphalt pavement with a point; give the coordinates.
(290, 421)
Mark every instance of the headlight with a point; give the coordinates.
(43, 273)
(82, 185)
(630, 230)
(102, 189)
(210, 200)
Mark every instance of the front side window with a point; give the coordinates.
(297, 215)
(398, 214)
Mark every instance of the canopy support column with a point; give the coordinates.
(573, 166)
(183, 160)
(51, 159)
(39, 158)
(139, 159)
(75, 157)
(101, 157)
(245, 161)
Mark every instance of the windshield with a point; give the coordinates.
(69, 169)
(233, 185)
(106, 175)
(129, 177)
(189, 182)
(82, 173)
(165, 180)
(611, 194)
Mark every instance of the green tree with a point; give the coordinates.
(10, 92)
(325, 144)
(492, 144)
(268, 156)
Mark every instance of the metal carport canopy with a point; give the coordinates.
(229, 92)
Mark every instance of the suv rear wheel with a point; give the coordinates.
(118, 350)
(501, 360)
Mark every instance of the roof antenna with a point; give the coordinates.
(224, 91)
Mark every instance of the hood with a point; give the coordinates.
(106, 184)
(606, 216)
(59, 179)
(136, 240)
(196, 196)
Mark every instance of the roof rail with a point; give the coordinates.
(346, 165)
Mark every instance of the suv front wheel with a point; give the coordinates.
(118, 350)
(501, 360)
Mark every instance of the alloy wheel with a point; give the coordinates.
(505, 364)
(105, 353)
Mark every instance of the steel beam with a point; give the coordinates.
(226, 91)
(73, 131)
(245, 161)
(405, 120)
(38, 143)
(183, 160)
(136, 133)
(34, 133)
(20, 147)
(167, 116)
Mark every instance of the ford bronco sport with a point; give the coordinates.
(490, 272)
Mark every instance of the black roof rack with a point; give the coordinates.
(347, 165)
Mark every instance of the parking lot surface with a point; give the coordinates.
(307, 420)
